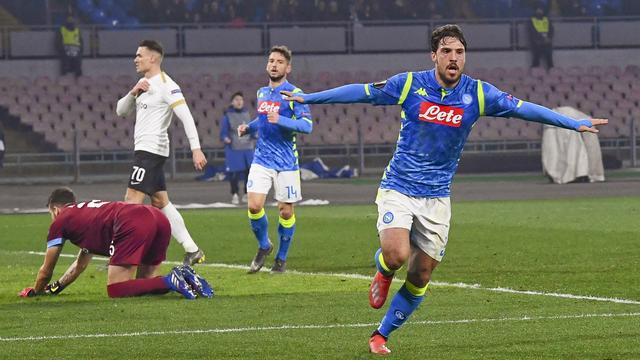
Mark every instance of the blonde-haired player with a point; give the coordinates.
(155, 98)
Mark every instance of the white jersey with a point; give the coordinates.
(154, 110)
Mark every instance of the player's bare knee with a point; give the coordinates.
(286, 213)
(255, 208)
(395, 258)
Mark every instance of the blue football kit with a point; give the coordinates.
(276, 146)
(435, 124)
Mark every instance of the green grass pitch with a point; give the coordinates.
(577, 247)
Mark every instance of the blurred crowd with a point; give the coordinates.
(243, 11)
(240, 12)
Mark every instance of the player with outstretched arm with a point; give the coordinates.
(439, 108)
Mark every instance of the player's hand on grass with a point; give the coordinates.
(594, 123)
(27, 292)
(288, 95)
(243, 129)
(199, 160)
(273, 117)
(140, 87)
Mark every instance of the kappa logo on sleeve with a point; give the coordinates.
(265, 107)
(440, 114)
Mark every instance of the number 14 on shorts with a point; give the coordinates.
(292, 192)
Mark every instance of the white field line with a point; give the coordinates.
(458, 285)
(313, 327)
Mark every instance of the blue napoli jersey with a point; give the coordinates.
(435, 125)
(276, 146)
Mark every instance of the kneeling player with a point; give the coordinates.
(135, 237)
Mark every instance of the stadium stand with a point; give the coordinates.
(60, 106)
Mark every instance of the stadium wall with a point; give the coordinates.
(315, 63)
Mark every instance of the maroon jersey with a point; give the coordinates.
(88, 225)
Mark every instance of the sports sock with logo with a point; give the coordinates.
(381, 265)
(178, 228)
(138, 287)
(260, 227)
(404, 303)
(286, 229)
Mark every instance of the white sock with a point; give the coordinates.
(178, 228)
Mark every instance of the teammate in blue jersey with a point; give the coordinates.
(439, 108)
(275, 159)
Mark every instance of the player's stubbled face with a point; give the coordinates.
(449, 59)
(142, 60)
(277, 66)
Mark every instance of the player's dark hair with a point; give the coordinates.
(61, 197)
(444, 31)
(153, 46)
(282, 50)
(237, 93)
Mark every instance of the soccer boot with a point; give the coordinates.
(258, 261)
(176, 282)
(378, 345)
(379, 290)
(279, 266)
(197, 282)
(192, 258)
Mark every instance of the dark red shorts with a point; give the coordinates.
(141, 236)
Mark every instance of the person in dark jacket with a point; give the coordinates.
(238, 151)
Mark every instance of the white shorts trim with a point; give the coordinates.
(286, 184)
(427, 219)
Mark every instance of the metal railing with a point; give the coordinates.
(74, 163)
(517, 42)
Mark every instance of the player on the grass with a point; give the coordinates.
(439, 108)
(155, 98)
(275, 159)
(134, 237)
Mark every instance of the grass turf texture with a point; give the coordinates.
(582, 247)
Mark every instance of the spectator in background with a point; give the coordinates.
(210, 12)
(176, 12)
(540, 36)
(1, 147)
(150, 11)
(321, 12)
(335, 13)
(238, 151)
(70, 48)
(572, 8)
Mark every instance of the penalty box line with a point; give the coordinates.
(314, 327)
(458, 285)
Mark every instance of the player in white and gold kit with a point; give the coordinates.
(155, 98)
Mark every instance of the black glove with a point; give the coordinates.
(54, 288)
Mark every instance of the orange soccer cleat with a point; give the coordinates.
(379, 290)
(378, 345)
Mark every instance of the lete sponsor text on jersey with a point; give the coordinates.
(265, 107)
(441, 114)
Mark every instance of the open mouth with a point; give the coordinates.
(452, 69)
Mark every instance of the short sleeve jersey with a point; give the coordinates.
(88, 225)
(435, 124)
(154, 110)
(276, 146)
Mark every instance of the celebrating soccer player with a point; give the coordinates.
(155, 98)
(276, 158)
(134, 237)
(439, 108)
